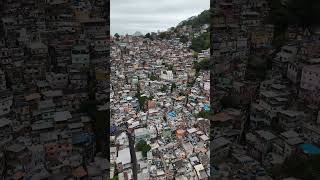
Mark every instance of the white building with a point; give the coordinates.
(166, 75)
(124, 159)
(37, 48)
(287, 54)
(293, 72)
(37, 158)
(310, 77)
(58, 80)
(141, 134)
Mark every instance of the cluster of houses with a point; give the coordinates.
(156, 95)
(48, 53)
(259, 123)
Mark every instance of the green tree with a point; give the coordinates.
(191, 83)
(165, 118)
(114, 178)
(173, 86)
(163, 35)
(195, 54)
(201, 42)
(117, 36)
(153, 77)
(183, 39)
(141, 99)
(198, 21)
(204, 114)
(148, 35)
(164, 88)
(143, 147)
(204, 64)
(170, 67)
(151, 97)
(182, 94)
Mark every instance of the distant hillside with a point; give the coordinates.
(137, 33)
(197, 21)
(199, 40)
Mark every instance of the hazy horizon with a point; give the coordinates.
(127, 16)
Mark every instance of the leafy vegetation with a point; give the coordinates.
(148, 35)
(170, 67)
(173, 87)
(117, 36)
(142, 100)
(198, 21)
(114, 178)
(184, 39)
(201, 42)
(143, 147)
(153, 77)
(204, 64)
(182, 94)
(195, 54)
(204, 114)
(191, 83)
(164, 88)
(164, 35)
(150, 98)
(165, 118)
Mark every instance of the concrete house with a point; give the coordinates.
(6, 102)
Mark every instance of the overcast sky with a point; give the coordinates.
(129, 16)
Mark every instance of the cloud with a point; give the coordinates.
(129, 16)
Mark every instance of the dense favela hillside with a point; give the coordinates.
(53, 89)
(265, 89)
(160, 105)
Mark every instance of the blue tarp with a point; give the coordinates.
(267, 46)
(206, 107)
(82, 137)
(310, 149)
(172, 114)
(113, 128)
